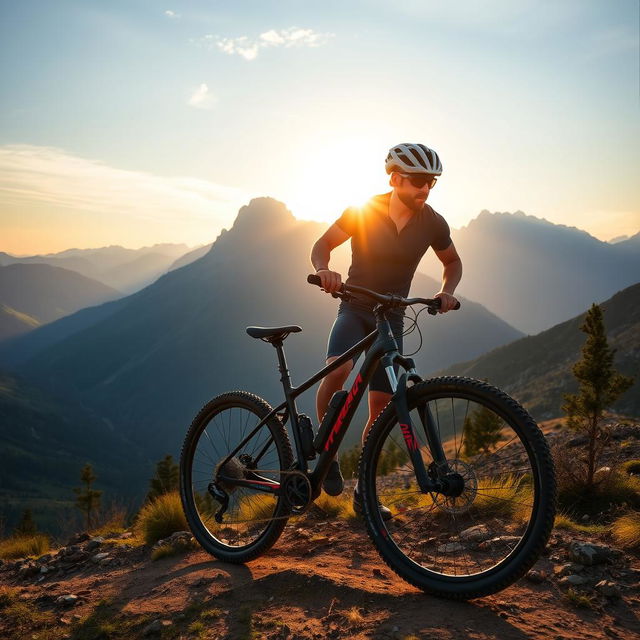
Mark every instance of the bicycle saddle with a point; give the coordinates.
(272, 333)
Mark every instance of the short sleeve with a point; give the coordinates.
(348, 220)
(442, 236)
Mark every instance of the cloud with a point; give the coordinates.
(32, 176)
(201, 98)
(248, 48)
(172, 14)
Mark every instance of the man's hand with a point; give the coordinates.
(331, 280)
(447, 301)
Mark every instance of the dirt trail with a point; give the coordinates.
(323, 581)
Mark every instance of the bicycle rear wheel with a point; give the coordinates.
(490, 534)
(254, 519)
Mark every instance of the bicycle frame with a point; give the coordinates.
(384, 348)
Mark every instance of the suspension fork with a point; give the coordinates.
(425, 481)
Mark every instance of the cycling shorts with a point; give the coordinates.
(353, 323)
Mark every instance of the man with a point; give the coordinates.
(389, 235)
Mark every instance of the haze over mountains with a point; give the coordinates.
(149, 361)
(126, 270)
(35, 294)
(535, 274)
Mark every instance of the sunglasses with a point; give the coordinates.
(418, 180)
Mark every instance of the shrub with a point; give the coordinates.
(23, 546)
(161, 517)
(626, 530)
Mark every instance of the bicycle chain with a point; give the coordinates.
(285, 517)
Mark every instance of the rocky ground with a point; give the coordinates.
(323, 579)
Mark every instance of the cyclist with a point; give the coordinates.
(389, 235)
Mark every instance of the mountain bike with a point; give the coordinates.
(464, 469)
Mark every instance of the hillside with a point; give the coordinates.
(150, 364)
(537, 369)
(535, 274)
(45, 442)
(36, 294)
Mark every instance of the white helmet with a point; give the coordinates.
(413, 158)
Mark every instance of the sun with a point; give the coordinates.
(337, 174)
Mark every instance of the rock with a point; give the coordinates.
(574, 580)
(28, 570)
(126, 535)
(592, 554)
(536, 576)
(94, 543)
(99, 557)
(378, 574)
(475, 534)
(76, 557)
(585, 518)
(578, 441)
(78, 538)
(44, 559)
(177, 539)
(67, 600)
(156, 627)
(451, 547)
(608, 588)
(566, 569)
(499, 541)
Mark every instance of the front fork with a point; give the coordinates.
(427, 483)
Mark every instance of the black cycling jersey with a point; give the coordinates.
(383, 259)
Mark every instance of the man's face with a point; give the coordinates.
(411, 197)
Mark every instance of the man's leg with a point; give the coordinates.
(330, 384)
(333, 482)
(377, 402)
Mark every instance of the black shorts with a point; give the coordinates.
(353, 323)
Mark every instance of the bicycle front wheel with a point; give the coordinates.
(253, 519)
(492, 532)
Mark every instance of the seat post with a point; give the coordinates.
(285, 378)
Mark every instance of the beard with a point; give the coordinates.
(413, 203)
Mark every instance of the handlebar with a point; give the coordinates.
(388, 300)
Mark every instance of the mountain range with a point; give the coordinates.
(535, 274)
(126, 270)
(537, 369)
(149, 361)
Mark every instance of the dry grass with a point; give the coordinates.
(161, 517)
(504, 495)
(626, 530)
(581, 600)
(353, 616)
(259, 506)
(631, 467)
(24, 546)
(23, 618)
(563, 521)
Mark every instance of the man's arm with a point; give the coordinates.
(451, 276)
(320, 254)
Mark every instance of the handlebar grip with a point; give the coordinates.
(312, 278)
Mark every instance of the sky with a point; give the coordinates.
(135, 122)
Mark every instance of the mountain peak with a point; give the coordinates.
(263, 214)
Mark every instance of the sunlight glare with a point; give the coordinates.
(338, 174)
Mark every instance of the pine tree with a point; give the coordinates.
(600, 385)
(167, 478)
(481, 431)
(88, 499)
(26, 526)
